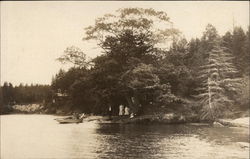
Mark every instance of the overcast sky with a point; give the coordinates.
(34, 34)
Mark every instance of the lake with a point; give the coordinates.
(40, 136)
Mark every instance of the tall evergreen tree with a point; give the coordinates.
(246, 50)
(219, 85)
(219, 81)
(238, 42)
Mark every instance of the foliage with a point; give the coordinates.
(219, 83)
(244, 98)
(146, 22)
(25, 94)
(63, 80)
(129, 40)
(75, 56)
(140, 77)
(238, 44)
(138, 71)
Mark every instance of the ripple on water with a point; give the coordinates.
(39, 136)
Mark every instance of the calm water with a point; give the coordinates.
(39, 136)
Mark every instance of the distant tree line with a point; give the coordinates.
(25, 94)
(207, 75)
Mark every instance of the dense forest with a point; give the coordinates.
(24, 94)
(149, 66)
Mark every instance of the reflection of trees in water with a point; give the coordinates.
(161, 141)
(123, 141)
(223, 135)
(91, 140)
(139, 141)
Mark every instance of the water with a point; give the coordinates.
(39, 136)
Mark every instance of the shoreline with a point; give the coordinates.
(163, 118)
(153, 119)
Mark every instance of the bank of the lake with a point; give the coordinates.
(156, 118)
(168, 119)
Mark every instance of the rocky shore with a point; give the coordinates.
(239, 122)
(168, 118)
(28, 108)
(35, 109)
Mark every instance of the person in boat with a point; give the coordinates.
(78, 116)
(75, 116)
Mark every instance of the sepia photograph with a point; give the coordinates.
(124, 80)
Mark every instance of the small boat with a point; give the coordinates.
(70, 120)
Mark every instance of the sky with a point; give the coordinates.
(34, 34)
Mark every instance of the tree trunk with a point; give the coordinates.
(209, 100)
(209, 93)
(130, 103)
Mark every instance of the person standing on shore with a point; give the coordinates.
(121, 110)
(126, 111)
(75, 115)
(110, 112)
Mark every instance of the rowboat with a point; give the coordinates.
(70, 120)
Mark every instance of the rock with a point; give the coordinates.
(217, 124)
(243, 144)
(182, 118)
(199, 124)
(29, 108)
(169, 116)
(240, 122)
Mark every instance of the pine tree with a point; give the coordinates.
(239, 39)
(219, 79)
(220, 83)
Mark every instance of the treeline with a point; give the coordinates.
(207, 76)
(25, 94)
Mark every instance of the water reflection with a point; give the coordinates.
(171, 141)
(39, 136)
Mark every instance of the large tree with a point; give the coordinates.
(219, 79)
(129, 37)
(238, 43)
